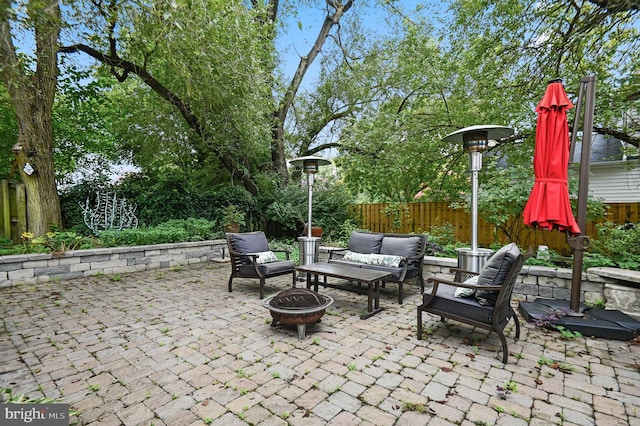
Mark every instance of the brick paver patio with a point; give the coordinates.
(173, 347)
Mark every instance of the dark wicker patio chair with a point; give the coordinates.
(490, 307)
(251, 257)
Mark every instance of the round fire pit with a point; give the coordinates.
(297, 306)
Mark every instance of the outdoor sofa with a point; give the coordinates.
(402, 255)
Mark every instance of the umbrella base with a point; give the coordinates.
(596, 322)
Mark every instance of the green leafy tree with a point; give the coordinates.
(510, 50)
(85, 145)
(212, 63)
(488, 65)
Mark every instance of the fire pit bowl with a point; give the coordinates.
(297, 306)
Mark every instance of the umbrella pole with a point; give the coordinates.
(580, 243)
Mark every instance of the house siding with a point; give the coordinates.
(615, 181)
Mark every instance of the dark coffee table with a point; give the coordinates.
(370, 277)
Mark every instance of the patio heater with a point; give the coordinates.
(475, 140)
(309, 246)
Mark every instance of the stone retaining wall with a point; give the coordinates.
(40, 268)
(619, 288)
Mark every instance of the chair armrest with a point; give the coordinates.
(334, 251)
(437, 281)
(463, 271)
(410, 259)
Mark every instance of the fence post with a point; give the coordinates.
(6, 209)
(21, 210)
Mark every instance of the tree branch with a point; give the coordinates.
(615, 6)
(306, 61)
(625, 137)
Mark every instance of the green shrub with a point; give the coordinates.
(442, 241)
(286, 244)
(616, 245)
(5, 242)
(197, 229)
(61, 241)
(286, 214)
(172, 231)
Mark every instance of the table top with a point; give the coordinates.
(346, 272)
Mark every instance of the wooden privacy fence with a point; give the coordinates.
(420, 217)
(13, 200)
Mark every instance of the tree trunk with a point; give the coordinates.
(36, 143)
(32, 94)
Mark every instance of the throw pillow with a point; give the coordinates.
(385, 260)
(495, 271)
(353, 256)
(467, 292)
(266, 257)
(497, 267)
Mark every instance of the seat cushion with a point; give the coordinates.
(395, 272)
(400, 246)
(275, 268)
(365, 242)
(250, 242)
(468, 307)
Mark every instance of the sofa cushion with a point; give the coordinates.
(396, 273)
(365, 242)
(268, 268)
(400, 246)
(277, 267)
(486, 298)
(250, 242)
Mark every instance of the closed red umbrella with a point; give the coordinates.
(548, 206)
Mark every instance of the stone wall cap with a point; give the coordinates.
(542, 271)
(441, 261)
(617, 273)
